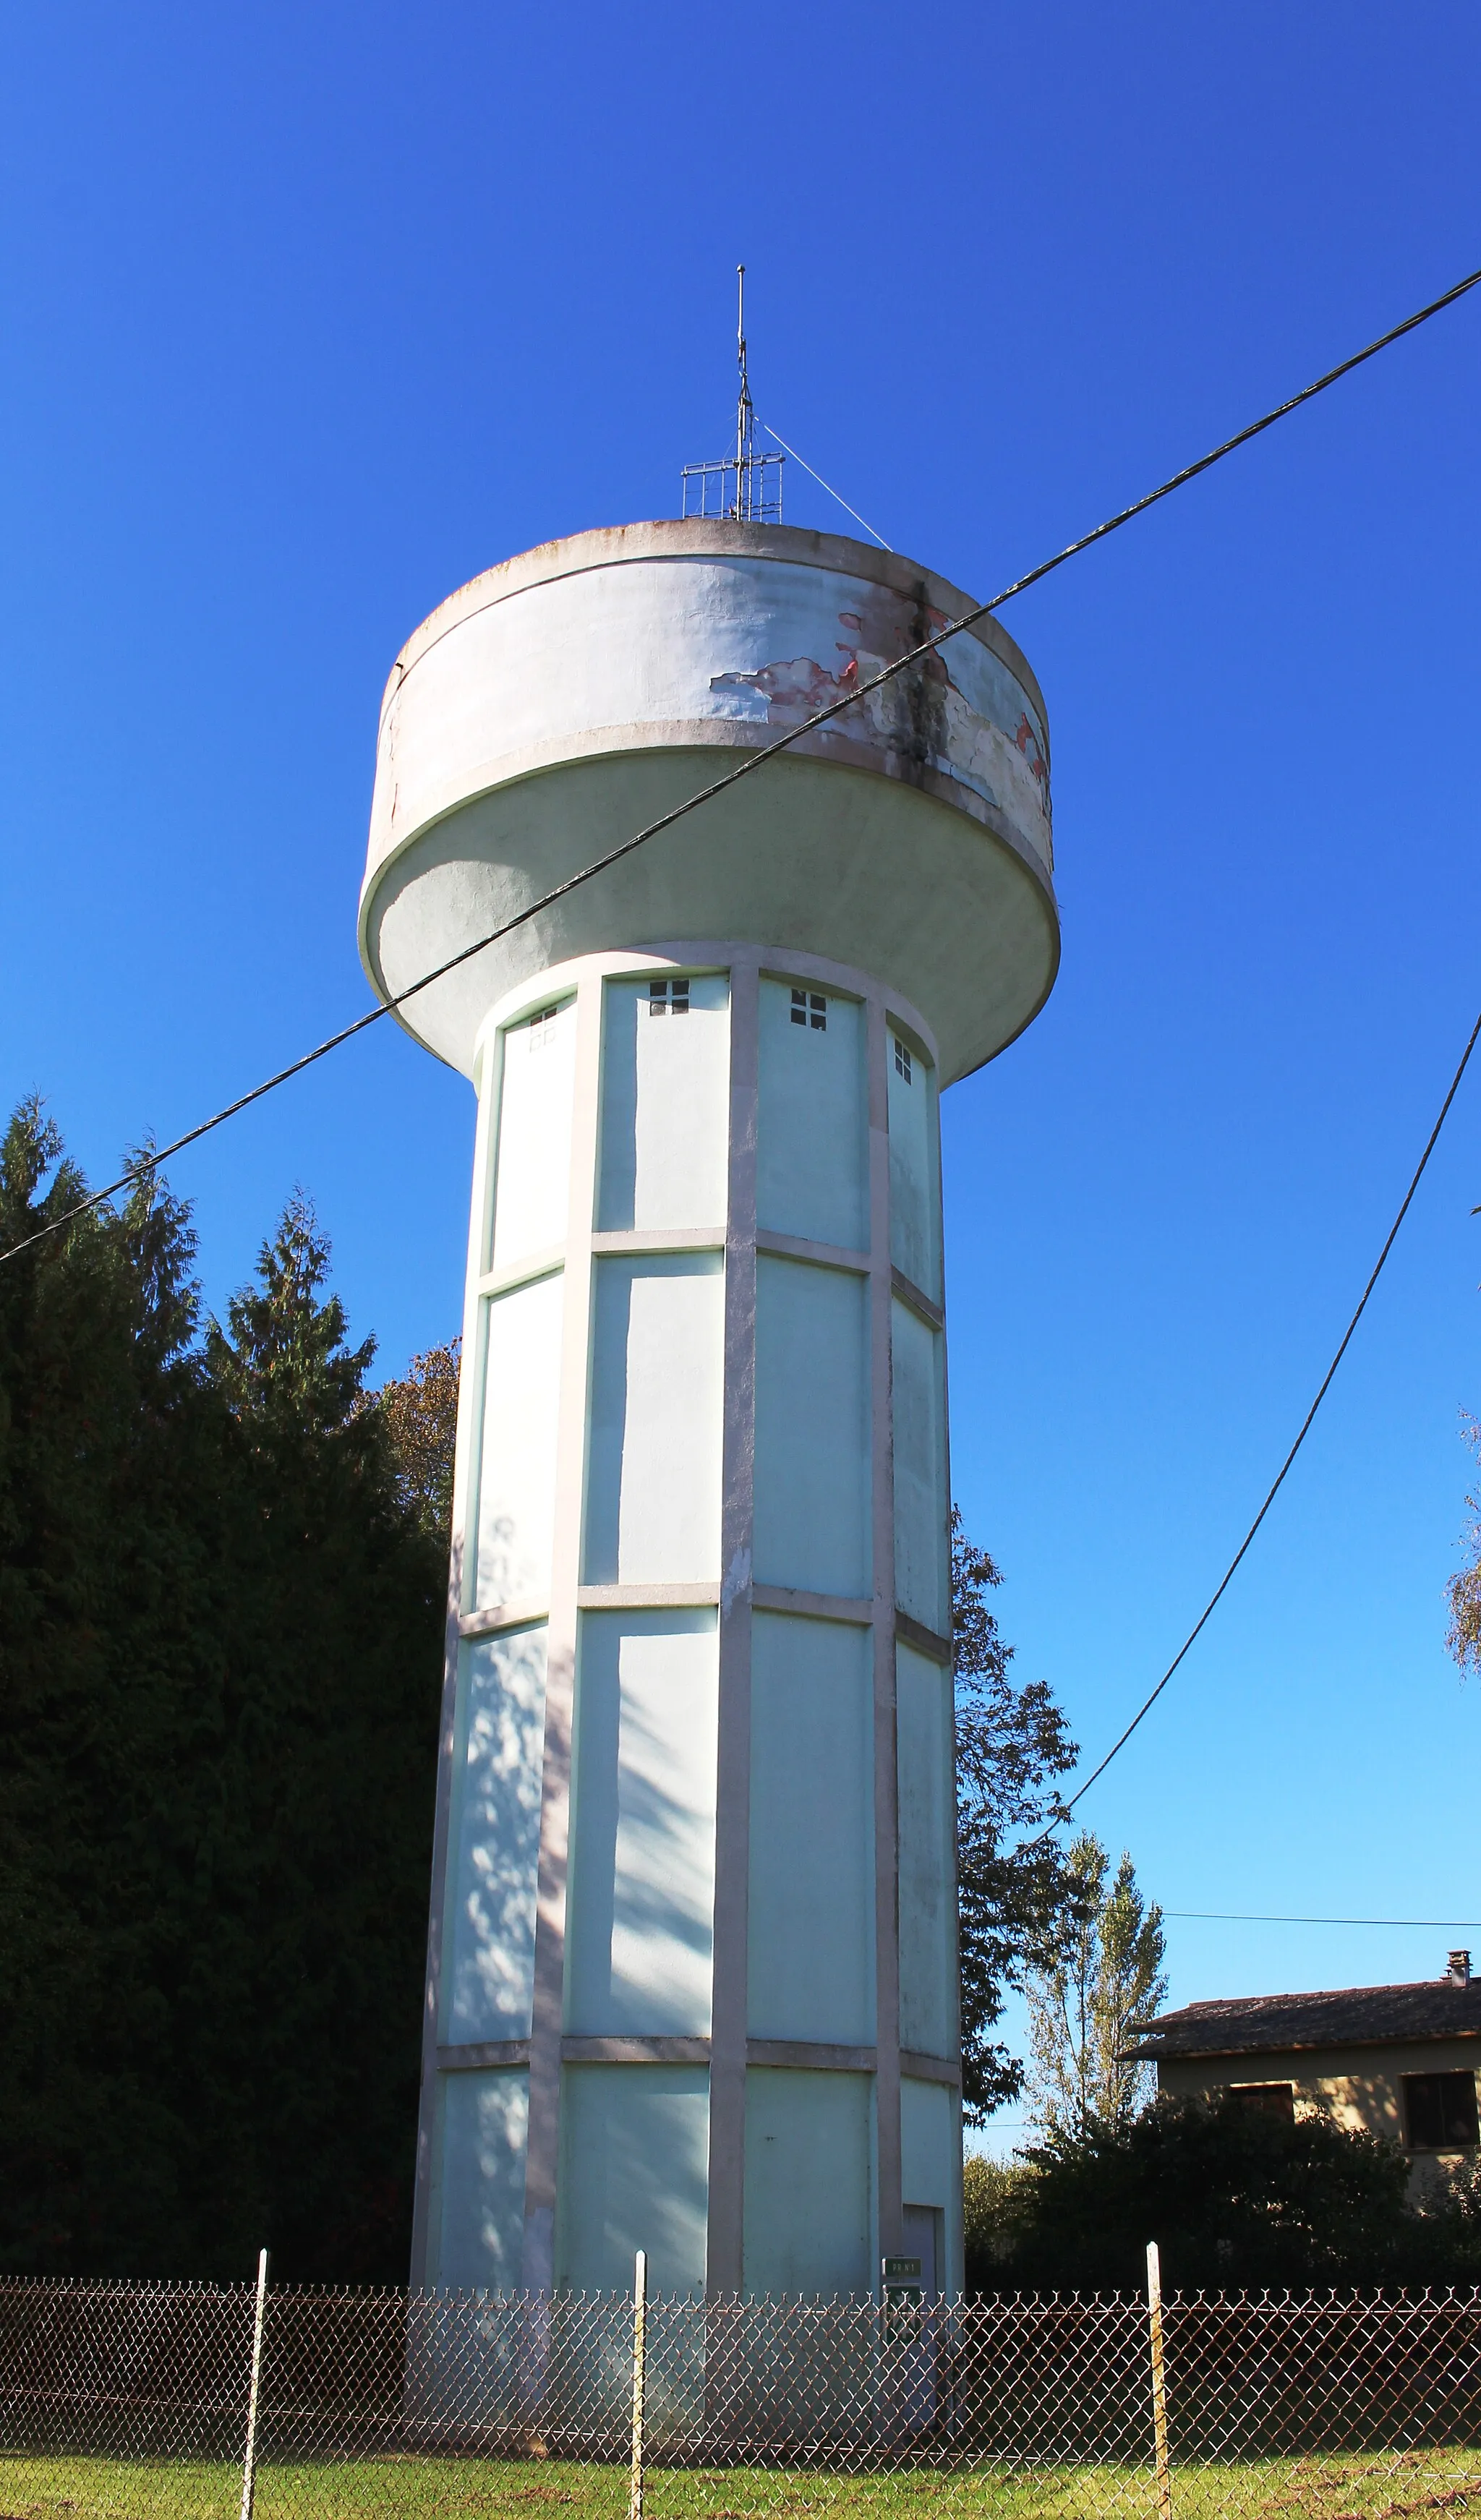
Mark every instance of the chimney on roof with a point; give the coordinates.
(1459, 1970)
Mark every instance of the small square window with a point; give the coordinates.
(1265, 2100)
(808, 1008)
(539, 1026)
(664, 996)
(902, 1058)
(1441, 2110)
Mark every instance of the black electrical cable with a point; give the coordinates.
(1227, 1917)
(152, 1162)
(1306, 1424)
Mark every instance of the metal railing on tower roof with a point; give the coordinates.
(745, 485)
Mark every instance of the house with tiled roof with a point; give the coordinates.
(1399, 2060)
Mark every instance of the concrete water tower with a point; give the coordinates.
(692, 1981)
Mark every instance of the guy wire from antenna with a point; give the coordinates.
(151, 1162)
(821, 485)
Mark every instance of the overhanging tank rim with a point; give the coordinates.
(717, 538)
(369, 943)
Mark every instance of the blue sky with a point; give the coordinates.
(309, 315)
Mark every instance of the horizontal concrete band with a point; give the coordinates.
(636, 1241)
(850, 1613)
(925, 1640)
(918, 1299)
(805, 2056)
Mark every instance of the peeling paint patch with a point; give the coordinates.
(793, 689)
(924, 716)
(1033, 752)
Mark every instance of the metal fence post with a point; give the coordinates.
(640, 2376)
(1159, 2382)
(249, 2460)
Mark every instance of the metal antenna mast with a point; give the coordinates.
(746, 417)
(745, 485)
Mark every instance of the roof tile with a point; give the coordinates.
(1353, 2017)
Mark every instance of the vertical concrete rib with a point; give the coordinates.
(728, 2019)
(543, 2155)
(956, 2235)
(887, 1789)
(464, 1486)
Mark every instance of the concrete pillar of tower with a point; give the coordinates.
(691, 1973)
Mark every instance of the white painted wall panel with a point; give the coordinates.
(927, 2137)
(666, 1107)
(930, 2166)
(634, 2175)
(490, 1931)
(652, 1511)
(811, 1942)
(478, 2209)
(808, 2182)
(915, 1171)
(642, 1893)
(812, 1478)
(917, 1393)
(517, 1469)
(533, 1152)
(926, 1822)
(812, 1120)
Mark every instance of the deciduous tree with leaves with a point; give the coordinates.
(419, 1411)
(1011, 1745)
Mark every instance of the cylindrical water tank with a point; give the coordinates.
(692, 1979)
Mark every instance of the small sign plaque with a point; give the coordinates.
(901, 2284)
(902, 2270)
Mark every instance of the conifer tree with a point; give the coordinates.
(107, 1476)
(220, 1659)
(335, 1669)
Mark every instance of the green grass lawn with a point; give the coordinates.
(1379, 2487)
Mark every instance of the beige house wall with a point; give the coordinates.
(1358, 2086)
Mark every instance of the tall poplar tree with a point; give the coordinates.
(1100, 1986)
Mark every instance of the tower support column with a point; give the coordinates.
(696, 1773)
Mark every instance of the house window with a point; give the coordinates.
(666, 995)
(808, 1008)
(902, 1058)
(540, 1026)
(1440, 2110)
(1265, 2100)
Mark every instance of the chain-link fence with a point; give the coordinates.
(133, 2400)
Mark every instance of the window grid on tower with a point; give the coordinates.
(808, 1007)
(902, 1058)
(664, 996)
(539, 1026)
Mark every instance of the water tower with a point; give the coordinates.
(692, 1981)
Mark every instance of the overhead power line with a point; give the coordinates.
(1306, 1425)
(151, 1162)
(1225, 1916)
